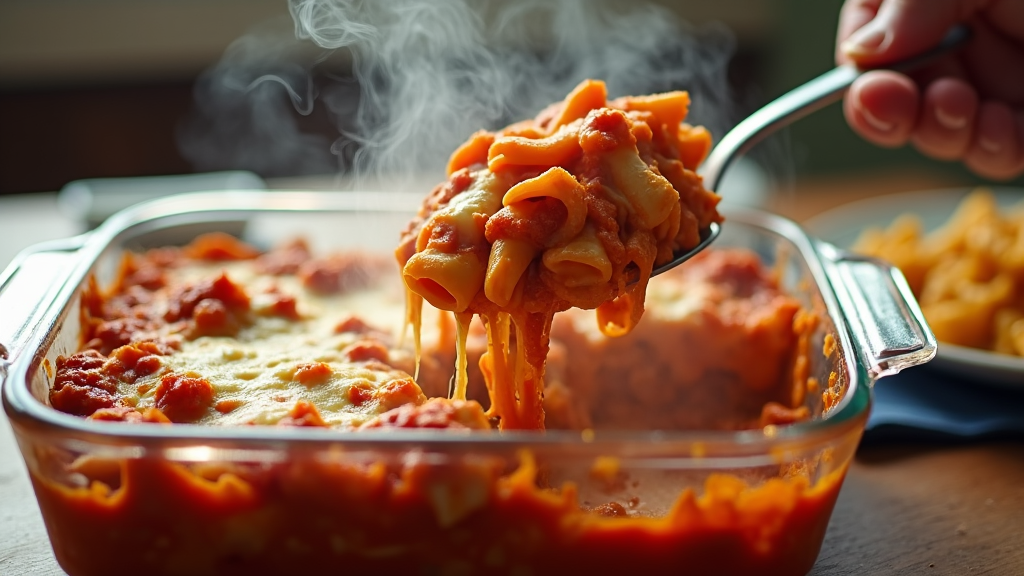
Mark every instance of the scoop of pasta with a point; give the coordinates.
(567, 209)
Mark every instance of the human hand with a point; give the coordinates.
(967, 105)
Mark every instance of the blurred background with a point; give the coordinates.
(108, 88)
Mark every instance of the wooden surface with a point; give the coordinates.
(929, 510)
(921, 509)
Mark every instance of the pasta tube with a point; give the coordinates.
(582, 262)
(554, 150)
(558, 184)
(650, 194)
(448, 268)
(508, 261)
(668, 108)
(588, 95)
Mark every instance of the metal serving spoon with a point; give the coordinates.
(788, 108)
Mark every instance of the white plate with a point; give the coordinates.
(843, 225)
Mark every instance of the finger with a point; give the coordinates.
(882, 106)
(946, 119)
(903, 28)
(853, 15)
(1006, 17)
(995, 62)
(995, 150)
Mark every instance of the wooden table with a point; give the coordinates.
(929, 510)
(916, 509)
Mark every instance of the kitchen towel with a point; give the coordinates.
(924, 403)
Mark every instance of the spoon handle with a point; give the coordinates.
(803, 100)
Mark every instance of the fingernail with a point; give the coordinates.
(989, 146)
(950, 121)
(875, 122)
(870, 39)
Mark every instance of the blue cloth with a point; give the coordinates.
(925, 404)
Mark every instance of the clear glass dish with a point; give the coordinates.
(136, 498)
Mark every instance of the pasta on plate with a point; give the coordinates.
(571, 209)
(968, 275)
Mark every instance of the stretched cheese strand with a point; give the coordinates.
(462, 321)
(508, 262)
(494, 364)
(414, 318)
(514, 386)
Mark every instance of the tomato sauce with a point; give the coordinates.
(308, 516)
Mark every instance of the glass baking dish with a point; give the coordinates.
(186, 499)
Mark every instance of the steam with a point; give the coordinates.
(401, 83)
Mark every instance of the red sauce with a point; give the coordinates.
(353, 324)
(365, 350)
(129, 414)
(535, 223)
(284, 259)
(303, 414)
(183, 397)
(339, 273)
(306, 515)
(82, 400)
(284, 306)
(605, 130)
(359, 395)
(313, 373)
(131, 362)
(184, 301)
(111, 334)
(435, 413)
(219, 246)
(81, 387)
(398, 392)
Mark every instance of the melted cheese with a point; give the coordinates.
(256, 369)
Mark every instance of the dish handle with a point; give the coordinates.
(27, 286)
(882, 315)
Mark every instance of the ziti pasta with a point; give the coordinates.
(571, 209)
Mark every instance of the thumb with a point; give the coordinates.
(903, 28)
